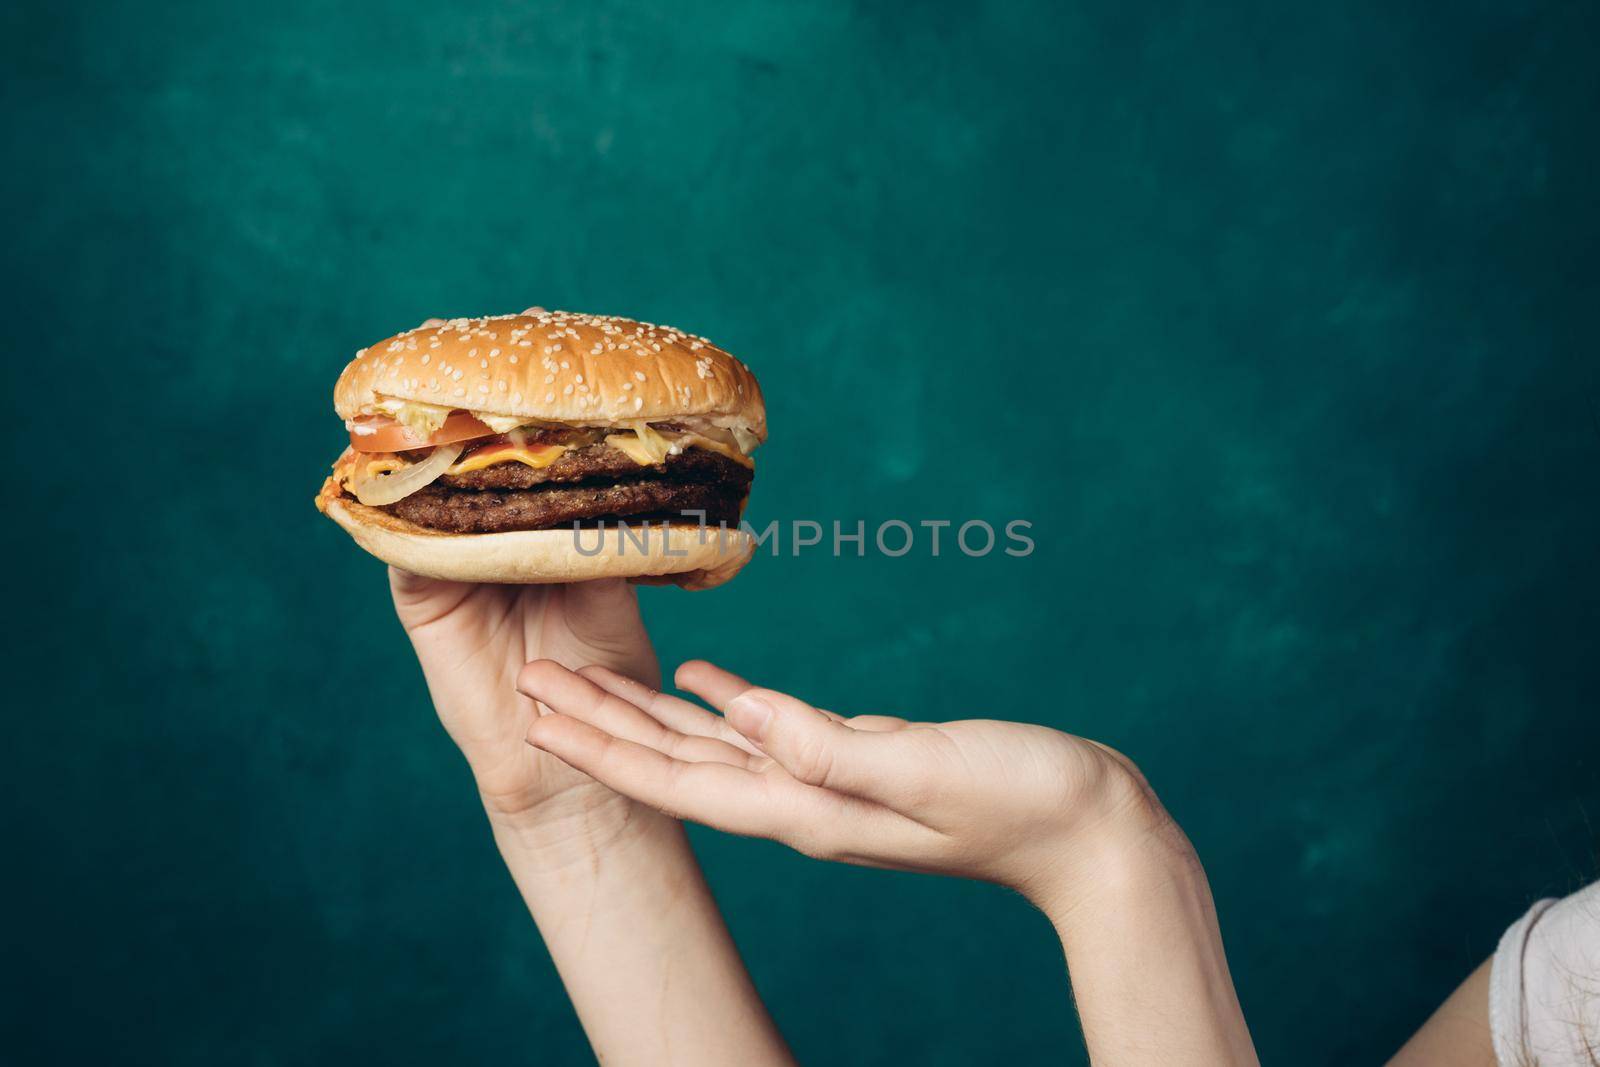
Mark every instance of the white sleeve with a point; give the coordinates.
(1544, 985)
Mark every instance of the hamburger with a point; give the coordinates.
(548, 447)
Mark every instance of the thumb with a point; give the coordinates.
(604, 615)
(604, 601)
(817, 749)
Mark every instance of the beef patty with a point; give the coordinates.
(694, 480)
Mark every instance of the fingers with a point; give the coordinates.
(823, 751)
(669, 711)
(877, 723)
(710, 682)
(728, 798)
(718, 687)
(566, 693)
(604, 612)
(408, 585)
(814, 821)
(604, 616)
(815, 746)
(419, 600)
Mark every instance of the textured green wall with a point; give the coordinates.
(1277, 319)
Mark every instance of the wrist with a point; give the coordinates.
(1144, 952)
(1126, 841)
(1133, 861)
(573, 827)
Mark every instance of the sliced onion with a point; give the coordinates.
(735, 436)
(745, 441)
(378, 489)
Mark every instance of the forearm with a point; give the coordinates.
(1145, 954)
(641, 946)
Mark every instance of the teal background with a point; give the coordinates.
(1276, 319)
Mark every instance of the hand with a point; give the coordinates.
(1069, 823)
(1025, 806)
(473, 639)
(612, 885)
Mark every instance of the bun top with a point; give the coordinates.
(555, 366)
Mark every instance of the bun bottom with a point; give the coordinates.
(655, 554)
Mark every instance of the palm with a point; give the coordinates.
(472, 640)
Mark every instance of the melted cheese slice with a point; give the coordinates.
(537, 457)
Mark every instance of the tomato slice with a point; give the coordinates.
(381, 434)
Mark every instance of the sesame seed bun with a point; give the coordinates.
(592, 370)
(699, 559)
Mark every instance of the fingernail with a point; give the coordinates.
(749, 715)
